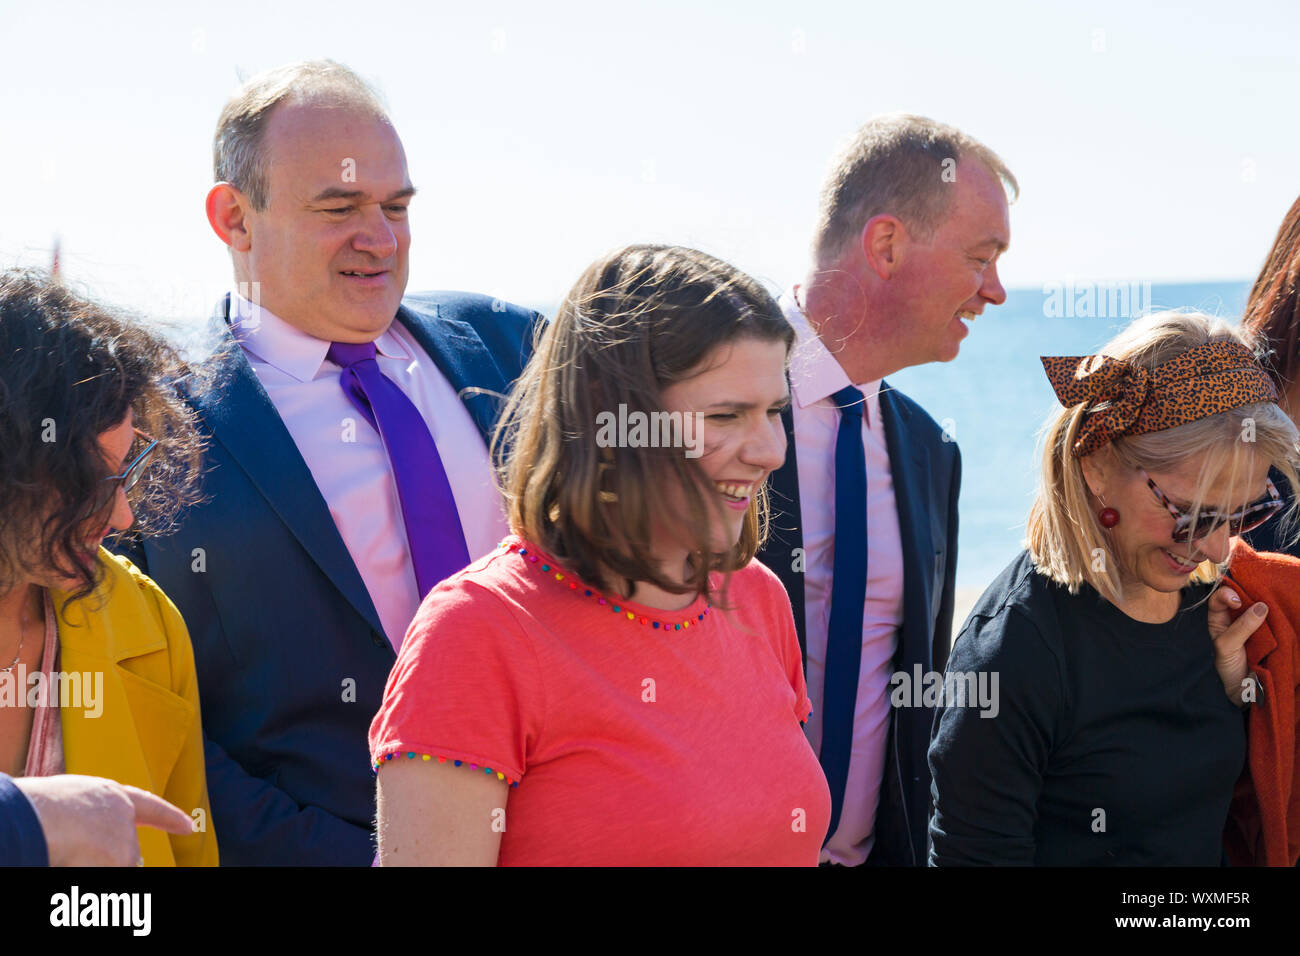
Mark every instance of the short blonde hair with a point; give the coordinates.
(1064, 534)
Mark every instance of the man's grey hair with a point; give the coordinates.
(238, 153)
(895, 164)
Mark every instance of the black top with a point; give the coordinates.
(1112, 742)
(1269, 536)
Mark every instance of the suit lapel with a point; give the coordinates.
(909, 463)
(785, 533)
(243, 419)
(461, 356)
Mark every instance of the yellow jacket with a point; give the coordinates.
(147, 733)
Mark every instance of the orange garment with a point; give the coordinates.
(1264, 817)
(676, 745)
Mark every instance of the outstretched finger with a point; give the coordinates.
(154, 811)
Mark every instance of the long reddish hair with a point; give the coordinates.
(1272, 314)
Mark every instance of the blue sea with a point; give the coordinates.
(994, 398)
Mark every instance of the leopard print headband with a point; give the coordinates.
(1125, 399)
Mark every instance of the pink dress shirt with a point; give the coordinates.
(347, 459)
(815, 376)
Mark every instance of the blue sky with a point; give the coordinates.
(1153, 141)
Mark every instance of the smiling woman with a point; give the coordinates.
(94, 434)
(1176, 401)
(622, 674)
(1127, 736)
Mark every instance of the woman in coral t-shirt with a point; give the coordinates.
(619, 683)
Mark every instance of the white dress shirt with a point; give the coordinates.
(346, 456)
(815, 376)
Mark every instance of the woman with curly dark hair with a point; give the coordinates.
(96, 669)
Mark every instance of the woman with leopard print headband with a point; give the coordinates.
(1110, 739)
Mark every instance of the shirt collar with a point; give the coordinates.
(265, 335)
(815, 374)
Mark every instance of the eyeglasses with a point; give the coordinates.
(1239, 522)
(128, 478)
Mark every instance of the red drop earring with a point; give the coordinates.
(1108, 517)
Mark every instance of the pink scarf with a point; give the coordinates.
(45, 750)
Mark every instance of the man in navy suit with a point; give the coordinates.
(347, 469)
(912, 221)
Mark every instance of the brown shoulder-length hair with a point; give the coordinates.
(637, 320)
(1272, 314)
(70, 370)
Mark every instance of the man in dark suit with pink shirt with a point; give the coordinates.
(912, 221)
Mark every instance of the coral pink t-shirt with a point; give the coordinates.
(624, 743)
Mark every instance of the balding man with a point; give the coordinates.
(349, 467)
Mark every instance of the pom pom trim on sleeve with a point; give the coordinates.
(411, 755)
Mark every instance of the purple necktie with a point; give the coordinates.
(433, 529)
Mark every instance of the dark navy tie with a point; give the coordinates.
(433, 531)
(848, 596)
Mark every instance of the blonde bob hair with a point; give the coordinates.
(1064, 535)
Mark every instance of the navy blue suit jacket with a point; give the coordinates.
(22, 841)
(926, 470)
(290, 653)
